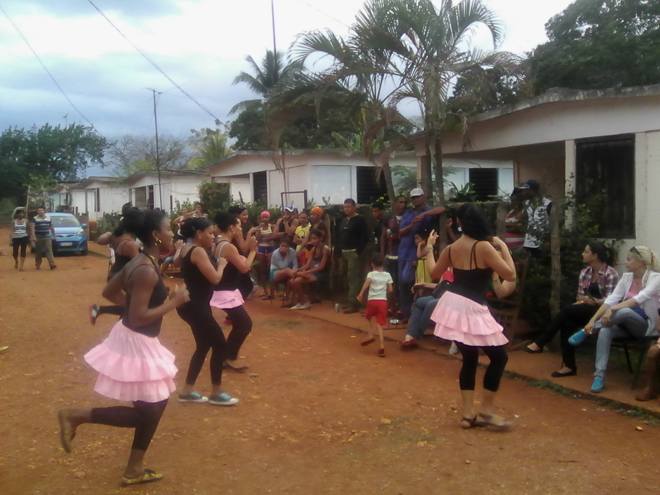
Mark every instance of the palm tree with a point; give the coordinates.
(358, 68)
(430, 49)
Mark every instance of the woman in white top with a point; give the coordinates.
(19, 238)
(631, 310)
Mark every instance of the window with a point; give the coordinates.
(260, 187)
(150, 197)
(485, 182)
(369, 188)
(605, 182)
(97, 199)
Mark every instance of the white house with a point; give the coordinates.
(330, 176)
(599, 144)
(94, 196)
(176, 187)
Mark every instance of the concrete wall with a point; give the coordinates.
(544, 163)
(647, 189)
(174, 188)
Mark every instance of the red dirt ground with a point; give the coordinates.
(318, 414)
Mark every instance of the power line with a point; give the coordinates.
(43, 66)
(155, 65)
(329, 16)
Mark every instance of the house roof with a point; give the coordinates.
(563, 95)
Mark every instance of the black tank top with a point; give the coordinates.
(158, 297)
(199, 287)
(230, 276)
(472, 283)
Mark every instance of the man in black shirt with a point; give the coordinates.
(354, 239)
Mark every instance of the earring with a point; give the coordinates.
(158, 241)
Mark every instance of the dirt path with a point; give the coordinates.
(318, 414)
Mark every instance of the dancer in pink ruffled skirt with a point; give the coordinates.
(462, 316)
(132, 364)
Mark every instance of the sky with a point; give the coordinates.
(201, 44)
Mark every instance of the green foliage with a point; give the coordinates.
(107, 223)
(49, 152)
(404, 179)
(600, 44)
(210, 146)
(214, 196)
(466, 193)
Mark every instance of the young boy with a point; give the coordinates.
(380, 284)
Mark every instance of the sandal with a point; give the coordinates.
(237, 369)
(493, 422)
(148, 476)
(467, 423)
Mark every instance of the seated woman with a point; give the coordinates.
(631, 310)
(596, 282)
(312, 272)
(283, 264)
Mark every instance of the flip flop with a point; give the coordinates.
(66, 432)
(488, 420)
(368, 341)
(148, 476)
(467, 423)
(238, 369)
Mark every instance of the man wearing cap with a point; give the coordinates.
(354, 237)
(537, 211)
(417, 220)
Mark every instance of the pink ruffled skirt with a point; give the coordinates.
(132, 366)
(227, 299)
(461, 319)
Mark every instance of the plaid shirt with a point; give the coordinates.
(606, 280)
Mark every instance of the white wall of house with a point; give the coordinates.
(175, 189)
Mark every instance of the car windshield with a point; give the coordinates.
(65, 222)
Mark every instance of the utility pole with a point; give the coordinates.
(272, 18)
(160, 190)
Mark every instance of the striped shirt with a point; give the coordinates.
(20, 229)
(42, 227)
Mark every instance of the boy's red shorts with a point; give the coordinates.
(377, 309)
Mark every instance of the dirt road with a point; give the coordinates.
(318, 414)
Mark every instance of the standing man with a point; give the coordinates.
(536, 208)
(354, 239)
(41, 236)
(414, 221)
(378, 212)
(392, 248)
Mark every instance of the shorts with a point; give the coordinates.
(265, 249)
(377, 309)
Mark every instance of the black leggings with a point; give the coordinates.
(241, 326)
(494, 372)
(111, 310)
(143, 416)
(568, 321)
(208, 335)
(22, 243)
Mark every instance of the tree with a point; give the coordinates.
(47, 153)
(132, 154)
(209, 147)
(431, 50)
(600, 44)
(357, 68)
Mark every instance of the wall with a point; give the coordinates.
(332, 183)
(297, 179)
(544, 163)
(647, 187)
(174, 188)
(560, 121)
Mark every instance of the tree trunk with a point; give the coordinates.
(425, 169)
(438, 170)
(555, 259)
(387, 174)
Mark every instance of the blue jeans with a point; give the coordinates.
(406, 282)
(420, 316)
(624, 323)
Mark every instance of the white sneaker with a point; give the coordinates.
(304, 306)
(297, 306)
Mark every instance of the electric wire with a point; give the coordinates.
(45, 68)
(154, 64)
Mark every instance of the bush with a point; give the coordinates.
(214, 196)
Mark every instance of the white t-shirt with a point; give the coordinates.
(538, 222)
(378, 285)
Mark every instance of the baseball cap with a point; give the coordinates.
(528, 184)
(416, 192)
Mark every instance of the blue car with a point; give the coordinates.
(70, 235)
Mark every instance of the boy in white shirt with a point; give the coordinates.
(380, 284)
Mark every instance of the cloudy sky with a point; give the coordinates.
(201, 44)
